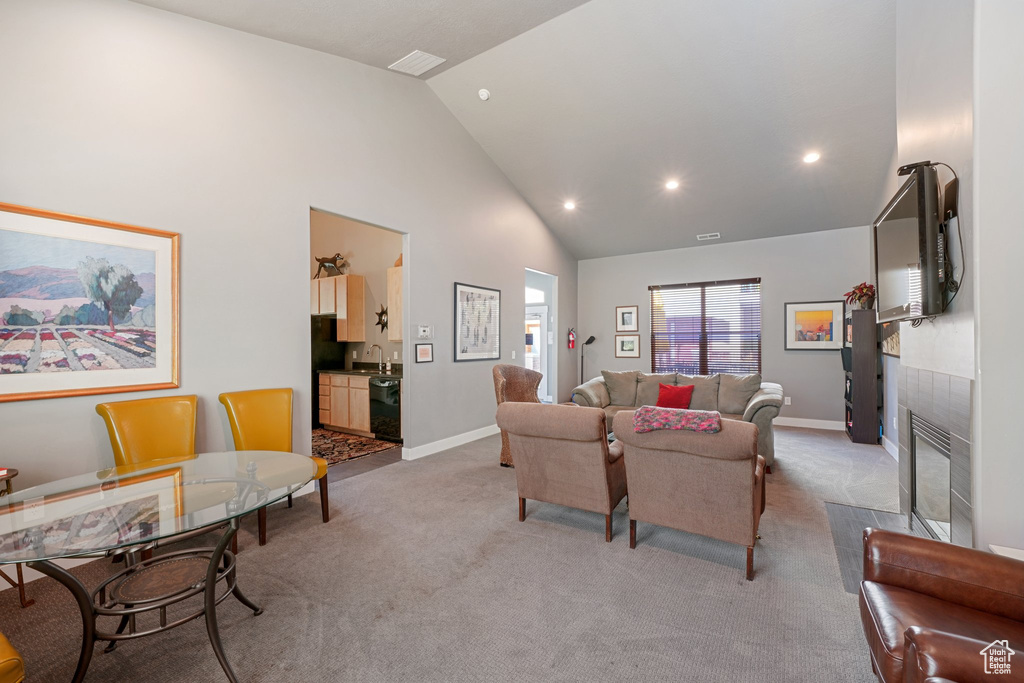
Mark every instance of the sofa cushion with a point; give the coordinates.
(675, 397)
(621, 387)
(647, 387)
(705, 390)
(611, 411)
(736, 391)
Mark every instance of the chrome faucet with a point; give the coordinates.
(380, 356)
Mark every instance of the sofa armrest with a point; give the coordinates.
(930, 656)
(768, 396)
(962, 576)
(592, 394)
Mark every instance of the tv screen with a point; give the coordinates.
(909, 255)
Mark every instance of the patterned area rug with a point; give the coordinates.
(335, 447)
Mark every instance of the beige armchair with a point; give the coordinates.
(562, 456)
(707, 484)
(513, 383)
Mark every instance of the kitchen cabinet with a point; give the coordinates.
(343, 296)
(345, 402)
(395, 304)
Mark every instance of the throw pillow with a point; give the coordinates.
(705, 390)
(649, 418)
(675, 397)
(647, 387)
(736, 392)
(621, 387)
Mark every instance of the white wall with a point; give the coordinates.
(816, 266)
(123, 112)
(934, 91)
(999, 239)
(370, 251)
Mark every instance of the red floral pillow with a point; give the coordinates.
(674, 397)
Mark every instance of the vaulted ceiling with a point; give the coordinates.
(600, 103)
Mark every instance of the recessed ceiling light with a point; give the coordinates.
(672, 184)
(570, 205)
(484, 94)
(811, 157)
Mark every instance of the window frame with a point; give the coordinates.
(703, 345)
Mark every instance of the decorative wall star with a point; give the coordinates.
(382, 318)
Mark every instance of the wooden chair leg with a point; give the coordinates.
(768, 469)
(607, 528)
(522, 509)
(261, 518)
(632, 533)
(325, 507)
(289, 500)
(234, 544)
(750, 563)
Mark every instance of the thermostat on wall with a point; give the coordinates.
(424, 331)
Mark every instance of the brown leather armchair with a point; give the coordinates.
(513, 383)
(707, 484)
(563, 457)
(930, 608)
(12, 666)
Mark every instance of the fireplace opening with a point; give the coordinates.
(930, 453)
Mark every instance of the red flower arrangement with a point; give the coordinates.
(863, 294)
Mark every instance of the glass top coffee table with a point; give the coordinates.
(128, 512)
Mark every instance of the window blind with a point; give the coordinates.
(706, 327)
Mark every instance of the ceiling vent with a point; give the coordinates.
(416, 63)
(709, 236)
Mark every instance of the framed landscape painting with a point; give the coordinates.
(477, 323)
(815, 325)
(86, 306)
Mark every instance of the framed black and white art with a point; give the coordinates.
(626, 319)
(477, 323)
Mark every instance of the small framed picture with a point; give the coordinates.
(424, 353)
(815, 325)
(627, 346)
(626, 319)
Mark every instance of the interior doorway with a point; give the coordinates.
(540, 322)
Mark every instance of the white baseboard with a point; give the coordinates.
(451, 442)
(891, 449)
(834, 425)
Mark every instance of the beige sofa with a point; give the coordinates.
(707, 484)
(737, 397)
(562, 456)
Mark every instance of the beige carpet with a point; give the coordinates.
(425, 574)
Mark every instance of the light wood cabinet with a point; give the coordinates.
(345, 402)
(343, 296)
(395, 303)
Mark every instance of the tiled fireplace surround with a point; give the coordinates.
(945, 401)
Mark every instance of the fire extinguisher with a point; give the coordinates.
(572, 337)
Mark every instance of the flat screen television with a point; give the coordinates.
(910, 256)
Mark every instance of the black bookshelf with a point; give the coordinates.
(863, 386)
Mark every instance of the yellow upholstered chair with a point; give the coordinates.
(261, 420)
(12, 666)
(151, 429)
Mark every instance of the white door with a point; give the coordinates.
(538, 349)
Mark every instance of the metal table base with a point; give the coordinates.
(153, 591)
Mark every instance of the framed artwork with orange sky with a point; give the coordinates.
(814, 325)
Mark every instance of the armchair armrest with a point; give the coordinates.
(592, 394)
(962, 576)
(769, 395)
(932, 656)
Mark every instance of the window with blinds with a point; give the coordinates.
(706, 327)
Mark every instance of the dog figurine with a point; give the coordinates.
(331, 265)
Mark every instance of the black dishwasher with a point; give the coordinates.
(386, 408)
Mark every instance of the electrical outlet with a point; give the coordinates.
(788, 401)
(513, 355)
(894, 425)
(396, 355)
(354, 355)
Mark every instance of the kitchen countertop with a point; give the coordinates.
(364, 373)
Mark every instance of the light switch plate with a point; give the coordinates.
(788, 401)
(513, 355)
(424, 331)
(396, 355)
